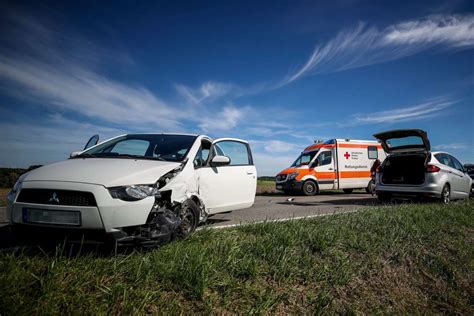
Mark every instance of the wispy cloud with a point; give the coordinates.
(420, 111)
(226, 118)
(451, 146)
(209, 90)
(366, 45)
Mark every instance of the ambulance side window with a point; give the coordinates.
(373, 152)
(324, 158)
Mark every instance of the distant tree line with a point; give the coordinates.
(8, 176)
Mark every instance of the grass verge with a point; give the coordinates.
(416, 258)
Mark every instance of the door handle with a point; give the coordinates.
(330, 169)
(249, 173)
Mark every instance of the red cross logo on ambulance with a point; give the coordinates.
(347, 155)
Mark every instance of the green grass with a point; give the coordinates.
(266, 187)
(397, 259)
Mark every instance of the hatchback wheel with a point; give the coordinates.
(446, 194)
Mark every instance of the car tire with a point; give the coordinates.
(189, 216)
(310, 188)
(446, 194)
(347, 191)
(384, 197)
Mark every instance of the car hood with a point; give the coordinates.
(108, 172)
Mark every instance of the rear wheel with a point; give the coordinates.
(310, 188)
(446, 194)
(348, 191)
(189, 216)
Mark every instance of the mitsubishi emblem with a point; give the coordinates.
(54, 198)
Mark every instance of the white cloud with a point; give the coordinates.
(364, 45)
(225, 119)
(450, 146)
(83, 91)
(423, 110)
(209, 90)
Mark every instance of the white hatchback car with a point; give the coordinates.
(143, 188)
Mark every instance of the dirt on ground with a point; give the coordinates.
(3, 196)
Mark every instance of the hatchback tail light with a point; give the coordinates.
(432, 169)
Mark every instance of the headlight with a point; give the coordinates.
(134, 192)
(292, 175)
(16, 188)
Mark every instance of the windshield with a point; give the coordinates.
(304, 158)
(143, 146)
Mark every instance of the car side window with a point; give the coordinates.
(457, 164)
(443, 159)
(238, 152)
(324, 158)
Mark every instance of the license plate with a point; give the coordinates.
(279, 187)
(51, 217)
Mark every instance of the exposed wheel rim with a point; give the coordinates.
(187, 222)
(446, 195)
(309, 188)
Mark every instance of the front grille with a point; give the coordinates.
(57, 197)
(281, 177)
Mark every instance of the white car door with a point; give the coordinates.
(232, 186)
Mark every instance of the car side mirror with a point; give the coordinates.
(74, 154)
(314, 164)
(219, 161)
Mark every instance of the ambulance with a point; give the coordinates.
(332, 165)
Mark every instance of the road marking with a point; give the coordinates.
(276, 220)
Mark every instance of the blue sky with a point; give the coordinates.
(279, 73)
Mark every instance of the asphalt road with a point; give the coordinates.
(278, 207)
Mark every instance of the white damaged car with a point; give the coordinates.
(137, 188)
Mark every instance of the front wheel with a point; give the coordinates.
(446, 194)
(189, 216)
(310, 188)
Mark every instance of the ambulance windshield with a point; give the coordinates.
(305, 158)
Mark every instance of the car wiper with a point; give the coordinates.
(139, 157)
(85, 155)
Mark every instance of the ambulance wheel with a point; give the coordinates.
(370, 187)
(310, 188)
(348, 191)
